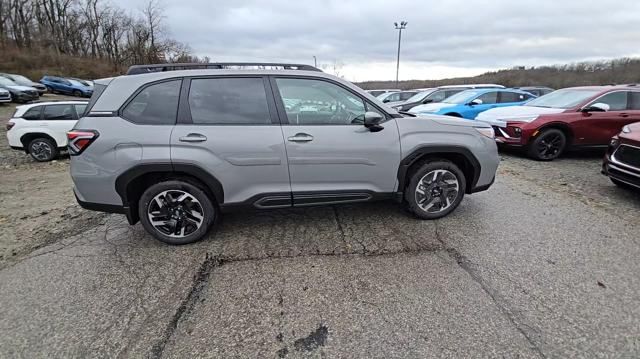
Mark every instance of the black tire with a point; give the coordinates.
(42, 149)
(77, 93)
(435, 190)
(548, 145)
(202, 206)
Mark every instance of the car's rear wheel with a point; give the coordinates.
(548, 145)
(42, 149)
(435, 189)
(176, 212)
(77, 93)
(50, 89)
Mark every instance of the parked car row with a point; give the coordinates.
(18, 88)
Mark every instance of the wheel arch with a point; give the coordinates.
(30, 136)
(131, 184)
(460, 156)
(566, 129)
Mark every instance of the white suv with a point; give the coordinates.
(40, 129)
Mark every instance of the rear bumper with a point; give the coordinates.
(485, 187)
(108, 208)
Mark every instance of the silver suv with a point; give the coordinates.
(175, 147)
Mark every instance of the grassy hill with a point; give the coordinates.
(619, 71)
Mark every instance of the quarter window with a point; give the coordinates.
(58, 113)
(617, 101)
(229, 101)
(314, 102)
(33, 114)
(154, 105)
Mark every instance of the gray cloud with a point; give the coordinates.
(453, 33)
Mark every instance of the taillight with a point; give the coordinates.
(79, 140)
(10, 125)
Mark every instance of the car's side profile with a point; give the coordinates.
(67, 86)
(438, 94)
(469, 103)
(18, 93)
(569, 118)
(24, 81)
(622, 160)
(40, 129)
(175, 149)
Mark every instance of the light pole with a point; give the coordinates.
(315, 62)
(402, 26)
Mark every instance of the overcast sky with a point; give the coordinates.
(444, 38)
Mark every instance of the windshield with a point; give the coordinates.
(420, 96)
(568, 98)
(6, 82)
(384, 95)
(462, 97)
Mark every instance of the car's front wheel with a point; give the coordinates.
(176, 212)
(435, 189)
(42, 149)
(77, 93)
(548, 145)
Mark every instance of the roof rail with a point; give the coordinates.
(143, 69)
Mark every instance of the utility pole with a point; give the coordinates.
(402, 26)
(315, 61)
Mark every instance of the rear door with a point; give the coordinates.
(597, 128)
(332, 156)
(59, 119)
(228, 127)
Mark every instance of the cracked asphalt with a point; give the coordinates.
(544, 264)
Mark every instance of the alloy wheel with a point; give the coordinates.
(437, 191)
(41, 150)
(175, 213)
(550, 146)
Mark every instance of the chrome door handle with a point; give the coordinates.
(300, 137)
(193, 137)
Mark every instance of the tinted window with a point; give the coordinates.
(58, 113)
(635, 101)
(437, 96)
(617, 101)
(406, 95)
(314, 102)
(154, 105)
(507, 97)
(489, 98)
(33, 114)
(80, 109)
(229, 101)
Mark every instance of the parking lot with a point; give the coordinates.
(544, 264)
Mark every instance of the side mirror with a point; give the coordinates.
(372, 121)
(597, 107)
(385, 100)
(475, 102)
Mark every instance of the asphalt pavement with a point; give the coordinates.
(544, 264)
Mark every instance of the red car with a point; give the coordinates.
(567, 118)
(622, 161)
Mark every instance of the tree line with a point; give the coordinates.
(618, 71)
(93, 29)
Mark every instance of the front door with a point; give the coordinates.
(597, 128)
(332, 156)
(489, 101)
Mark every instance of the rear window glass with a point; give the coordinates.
(97, 92)
(229, 101)
(156, 104)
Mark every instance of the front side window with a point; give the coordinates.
(488, 98)
(156, 104)
(33, 114)
(437, 96)
(315, 102)
(229, 101)
(617, 101)
(58, 113)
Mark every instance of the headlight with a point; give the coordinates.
(486, 131)
(626, 129)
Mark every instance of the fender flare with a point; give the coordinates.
(426, 150)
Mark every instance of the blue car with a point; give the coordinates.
(67, 86)
(468, 104)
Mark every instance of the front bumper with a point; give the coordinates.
(5, 99)
(25, 97)
(620, 171)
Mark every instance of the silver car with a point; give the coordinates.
(176, 148)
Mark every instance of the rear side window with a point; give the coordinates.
(156, 104)
(33, 114)
(229, 101)
(635, 101)
(507, 97)
(97, 92)
(58, 113)
(437, 96)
